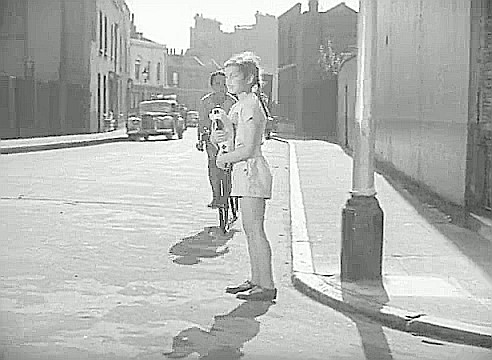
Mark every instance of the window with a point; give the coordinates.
(98, 97)
(111, 41)
(105, 36)
(137, 69)
(115, 47)
(101, 32)
(125, 52)
(105, 104)
(158, 71)
(175, 79)
(94, 24)
(148, 70)
(121, 55)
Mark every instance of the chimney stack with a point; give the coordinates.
(313, 6)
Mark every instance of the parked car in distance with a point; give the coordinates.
(156, 117)
(192, 118)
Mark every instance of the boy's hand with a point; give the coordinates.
(218, 136)
(220, 163)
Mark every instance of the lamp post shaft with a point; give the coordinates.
(362, 217)
(363, 166)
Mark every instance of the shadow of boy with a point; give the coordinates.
(208, 243)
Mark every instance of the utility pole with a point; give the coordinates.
(362, 217)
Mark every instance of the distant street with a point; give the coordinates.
(105, 255)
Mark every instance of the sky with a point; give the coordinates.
(168, 22)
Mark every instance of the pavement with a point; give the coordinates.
(12, 146)
(437, 276)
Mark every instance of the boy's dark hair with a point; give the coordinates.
(214, 74)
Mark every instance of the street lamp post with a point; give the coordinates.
(362, 217)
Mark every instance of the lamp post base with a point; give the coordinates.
(362, 239)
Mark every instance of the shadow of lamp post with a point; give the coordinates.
(362, 217)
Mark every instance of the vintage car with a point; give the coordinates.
(156, 117)
(192, 118)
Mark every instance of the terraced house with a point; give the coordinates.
(63, 65)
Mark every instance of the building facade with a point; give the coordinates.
(61, 65)
(189, 77)
(110, 62)
(308, 98)
(148, 61)
(208, 41)
(433, 98)
(44, 68)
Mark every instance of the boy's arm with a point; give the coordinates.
(203, 120)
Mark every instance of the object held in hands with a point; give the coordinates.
(216, 116)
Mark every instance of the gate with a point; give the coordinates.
(480, 192)
(319, 109)
(479, 182)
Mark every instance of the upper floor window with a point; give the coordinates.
(137, 69)
(115, 45)
(175, 79)
(105, 36)
(121, 53)
(158, 72)
(101, 32)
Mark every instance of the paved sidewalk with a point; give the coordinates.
(436, 275)
(13, 146)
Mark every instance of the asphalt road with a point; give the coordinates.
(105, 255)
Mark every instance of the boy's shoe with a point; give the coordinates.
(245, 286)
(257, 293)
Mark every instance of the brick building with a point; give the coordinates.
(189, 77)
(61, 65)
(208, 41)
(306, 99)
(148, 68)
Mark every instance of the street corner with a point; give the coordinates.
(370, 299)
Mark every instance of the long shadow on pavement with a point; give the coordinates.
(225, 338)
(451, 220)
(208, 243)
(374, 342)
